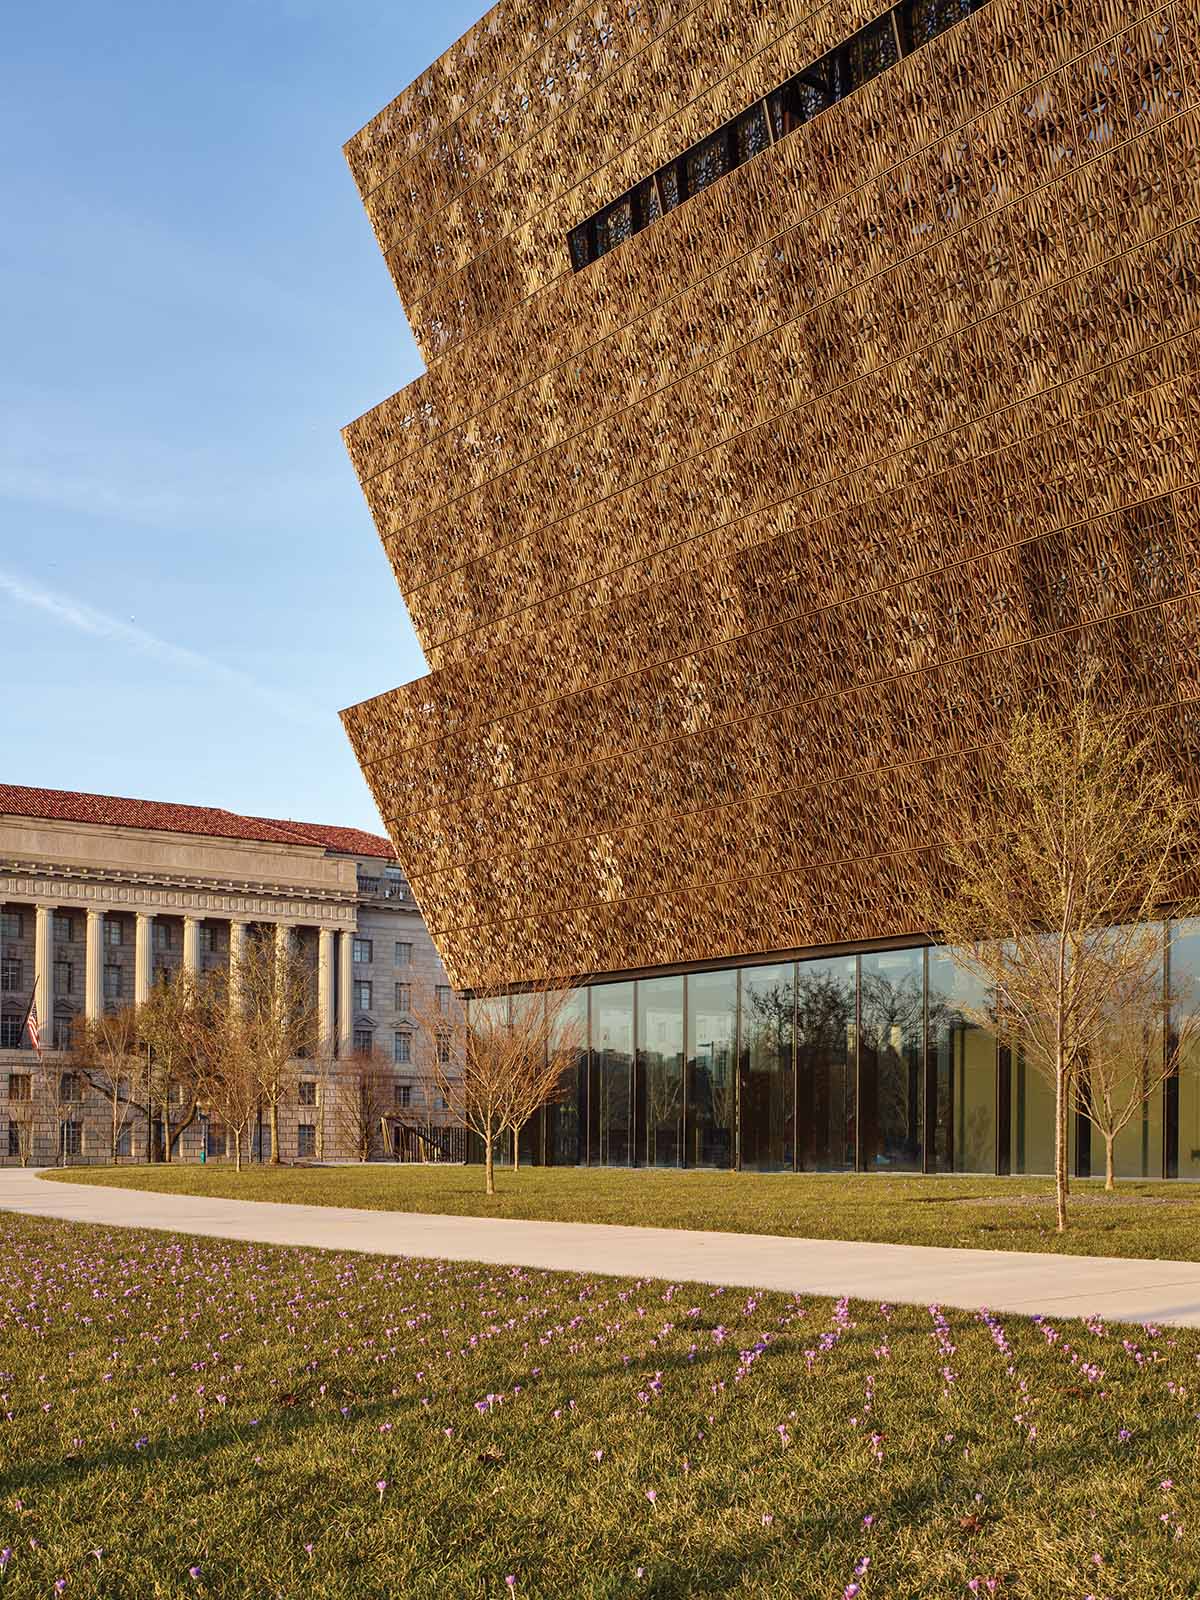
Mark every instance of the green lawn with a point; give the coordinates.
(1141, 1219)
(190, 1417)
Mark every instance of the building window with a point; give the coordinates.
(443, 997)
(112, 983)
(404, 997)
(307, 1092)
(216, 1139)
(364, 1041)
(443, 1048)
(68, 1087)
(11, 925)
(442, 1103)
(10, 975)
(362, 996)
(125, 1141)
(63, 975)
(14, 1138)
(855, 61)
(20, 1086)
(306, 1140)
(403, 953)
(12, 1030)
(71, 1138)
(402, 1046)
(64, 927)
(114, 932)
(62, 1032)
(163, 935)
(363, 949)
(208, 939)
(403, 1093)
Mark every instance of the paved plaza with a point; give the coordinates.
(1003, 1280)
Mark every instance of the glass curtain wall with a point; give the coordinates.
(611, 1105)
(826, 1055)
(963, 1060)
(711, 1079)
(566, 1119)
(891, 1093)
(768, 1081)
(659, 1083)
(1185, 995)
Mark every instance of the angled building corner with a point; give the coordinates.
(806, 386)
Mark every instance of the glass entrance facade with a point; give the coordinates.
(880, 1061)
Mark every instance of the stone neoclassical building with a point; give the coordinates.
(99, 896)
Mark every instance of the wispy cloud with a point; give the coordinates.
(83, 618)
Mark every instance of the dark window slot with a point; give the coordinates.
(872, 50)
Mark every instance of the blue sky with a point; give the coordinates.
(192, 305)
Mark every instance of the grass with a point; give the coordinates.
(190, 1417)
(1152, 1220)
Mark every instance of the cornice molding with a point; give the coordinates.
(172, 894)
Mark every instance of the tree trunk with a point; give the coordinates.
(516, 1148)
(1109, 1174)
(1060, 1142)
(489, 1160)
(273, 1119)
(166, 1122)
(237, 1149)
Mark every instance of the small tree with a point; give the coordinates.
(107, 1052)
(547, 1046)
(1145, 1036)
(175, 1025)
(1051, 868)
(233, 1081)
(274, 1014)
(494, 1070)
(363, 1095)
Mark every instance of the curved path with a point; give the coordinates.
(1003, 1280)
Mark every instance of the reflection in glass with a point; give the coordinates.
(489, 1014)
(1185, 989)
(825, 1024)
(964, 1053)
(612, 1072)
(891, 1060)
(711, 1030)
(1033, 1118)
(566, 1118)
(768, 1083)
(1121, 1080)
(660, 1070)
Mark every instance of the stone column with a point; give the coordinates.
(191, 945)
(237, 954)
(326, 978)
(93, 984)
(43, 972)
(143, 942)
(346, 994)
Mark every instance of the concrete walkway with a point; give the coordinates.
(1003, 1280)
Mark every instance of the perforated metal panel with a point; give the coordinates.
(729, 548)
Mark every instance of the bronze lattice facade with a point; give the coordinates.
(762, 466)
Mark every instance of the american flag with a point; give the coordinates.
(35, 1032)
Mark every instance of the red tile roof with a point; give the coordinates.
(65, 805)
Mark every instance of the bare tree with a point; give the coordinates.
(547, 1046)
(274, 1013)
(107, 1052)
(233, 1081)
(1051, 867)
(362, 1097)
(176, 1029)
(495, 1068)
(1145, 1036)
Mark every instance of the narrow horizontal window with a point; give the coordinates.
(854, 62)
